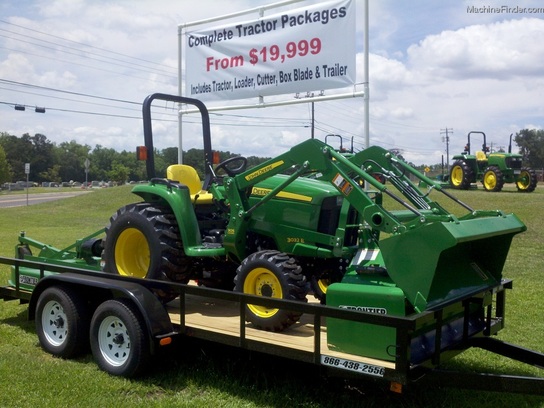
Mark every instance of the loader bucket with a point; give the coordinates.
(446, 261)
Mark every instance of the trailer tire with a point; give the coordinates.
(271, 274)
(143, 241)
(62, 322)
(119, 343)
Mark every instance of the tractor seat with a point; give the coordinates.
(480, 156)
(188, 176)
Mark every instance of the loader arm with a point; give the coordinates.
(316, 158)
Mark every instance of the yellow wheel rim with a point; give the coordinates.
(457, 176)
(490, 180)
(262, 282)
(132, 255)
(323, 284)
(524, 180)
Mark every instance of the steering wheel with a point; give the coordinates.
(232, 171)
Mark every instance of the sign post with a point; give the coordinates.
(27, 172)
(87, 164)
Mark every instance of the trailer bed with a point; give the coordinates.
(204, 316)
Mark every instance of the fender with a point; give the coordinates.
(155, 316)
(178, 198)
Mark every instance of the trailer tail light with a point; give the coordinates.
(165, 341)
(141, 153)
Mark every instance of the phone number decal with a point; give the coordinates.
(363, 368)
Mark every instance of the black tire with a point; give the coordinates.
(321, 282)
(493, 179)
(272, 274)
(461, 175)
(119, 341)
(527, 181)
(143, 241)
(62, 322)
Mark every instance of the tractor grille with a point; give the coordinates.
(513, 162)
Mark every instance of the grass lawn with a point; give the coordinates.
(200, 374)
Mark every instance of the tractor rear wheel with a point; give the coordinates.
(460, 175)
(493, 179)
(526, 181)
(271, 274)
(143, 241)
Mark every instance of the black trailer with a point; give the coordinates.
(102, 310)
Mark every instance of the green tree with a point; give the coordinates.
(101, 162)
(119, 173)
(5, 174)
(71, 158)
(531, 145)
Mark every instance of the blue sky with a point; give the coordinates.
(433, 65)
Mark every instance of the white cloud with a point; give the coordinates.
(432, 65)
(499, 50)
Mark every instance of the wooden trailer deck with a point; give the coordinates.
(222, 317)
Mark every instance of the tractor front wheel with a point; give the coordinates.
(527, 181)
(493, 179)
(275, 275)
(460, 175)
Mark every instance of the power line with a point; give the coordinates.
(82, 44)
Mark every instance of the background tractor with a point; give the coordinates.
(491, 169)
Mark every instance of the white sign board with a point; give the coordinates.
(302, 50)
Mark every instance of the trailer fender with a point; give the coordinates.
(155, 316)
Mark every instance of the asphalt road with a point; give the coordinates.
(18, 200)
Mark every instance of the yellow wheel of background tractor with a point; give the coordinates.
(526, 181)
(493, 179)
(460, 175)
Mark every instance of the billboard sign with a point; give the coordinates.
(302, 50)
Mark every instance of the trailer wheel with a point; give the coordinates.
(271, 274)
(143, 241)
(119, 343)
(460, 175)
(493, 179)
(527, 181)
(62, 322)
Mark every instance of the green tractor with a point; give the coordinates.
(311, 220)
(491, 169)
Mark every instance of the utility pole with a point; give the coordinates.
(446, 139)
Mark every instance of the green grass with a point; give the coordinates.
(199, 374)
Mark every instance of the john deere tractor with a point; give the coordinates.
(491, 169)
(311, 220)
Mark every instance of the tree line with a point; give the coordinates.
(52, 162)
(65, 161)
